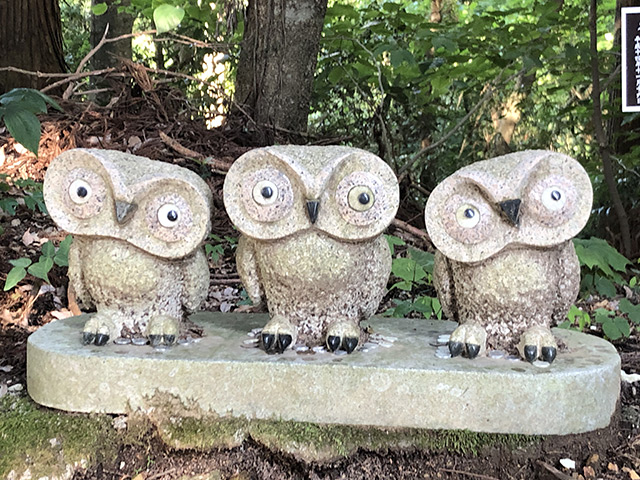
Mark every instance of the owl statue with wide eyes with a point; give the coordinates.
(312, 220)
(505, 267)
(138, 226)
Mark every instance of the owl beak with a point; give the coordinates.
(312, 210)
(124, 211)
(511, 210)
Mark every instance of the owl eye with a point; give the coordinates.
(80, 191)
(554, 198)
(265, 192)
(467, 216)
(168, 215)
(361, 198)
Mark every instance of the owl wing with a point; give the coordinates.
(443, 284)
(569, 281)
(248, 269)
(76, 281)
(195, 274)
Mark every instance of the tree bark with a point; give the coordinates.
(601, 138)
(277, 63)
(31, 39)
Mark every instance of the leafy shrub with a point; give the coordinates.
(18, 109)
(50, 255)
(602, 266)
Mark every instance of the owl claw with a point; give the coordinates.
(349, 344)
(343, 334)
(472, 350)
(538, 342)
(98, 330)
(277, 335)
(163, 330)
(88, 338)
(157, 340)
(333, 342)
(469, 338)
(455, 348)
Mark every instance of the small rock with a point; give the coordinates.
(15, 388)
(250, 341)
(139, 341)
(443, 339)
(386, 344)
(54, 442)
(301, 348)
(122, 341)
(443, 352)
(496, 354)
(15, 222)
(568, 463)
(120, 422)
(612, 467)
(6, 368)
(319, 349)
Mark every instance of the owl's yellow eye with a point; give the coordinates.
(467, 216)
(361, 198)
(80, 191)
(265, 192)
(168, 215)
(554, 198)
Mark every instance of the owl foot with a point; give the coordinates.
(98, 330)
(343, 334)
(468, 337)
(163, 330)
(278, 334)
(538, 342)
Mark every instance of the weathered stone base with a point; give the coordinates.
(401, 383)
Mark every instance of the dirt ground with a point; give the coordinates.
(137, 124)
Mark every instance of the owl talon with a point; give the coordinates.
(268, 341)
(163, 330)
(549, 354)
(333, 342)
(88, 338)
(530, 353)
(455, 348)
(349, 344)
(278, 335)
(98, 330)
(283, 342)
(472, 350)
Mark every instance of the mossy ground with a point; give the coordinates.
(47, 441)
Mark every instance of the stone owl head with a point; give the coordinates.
(471, 215)
(158, 207)
(347, 193)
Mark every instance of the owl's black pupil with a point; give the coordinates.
(266, 192)
(172, 215)
(363, 198)
(556, 195)
(82, 192)
(469, 213)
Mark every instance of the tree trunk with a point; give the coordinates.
(31, 39)
(277, 64)
(601, 138)
(110, 53)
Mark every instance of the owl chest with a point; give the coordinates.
(310, 259)
(510, 279)
(112, 266)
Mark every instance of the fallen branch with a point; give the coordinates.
(218, 165)
(553, 470)
(416, 232)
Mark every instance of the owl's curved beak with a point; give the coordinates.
(312, 210)
(511, 211)
(124, 211)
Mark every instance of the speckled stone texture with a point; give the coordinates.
(398, 384)
(313, 246)
(506, 268)
(138, 228)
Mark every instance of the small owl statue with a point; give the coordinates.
(311, 220)
(138, 226)
(505, 267)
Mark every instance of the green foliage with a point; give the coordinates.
(414, 275)
(167, 17)
(40, 269)
(32, 196)
(216, 246)
(602, 266)
(18, 109)
(76, 27)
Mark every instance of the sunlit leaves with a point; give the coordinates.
(167, 17)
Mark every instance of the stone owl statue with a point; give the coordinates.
(311, 220)
(138, 228)
(505, 267)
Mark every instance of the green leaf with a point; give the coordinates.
(99, 9)
(407, 269)
(48, 249)
(394, 241)
(24, 126)
(633, 311)
(605, 287)
(61, 257)
(15, 275)
(41, 268)
(404, 285)
(20, 262)
(8, 205)
(422, 258)
(622, 325)
(167, 17)
(611, 330)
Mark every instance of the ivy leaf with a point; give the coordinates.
(48, 249)
(42, 268)
(24, 126)
(167, 17)
(605, 287)
(61, 257)
(633, 311)
(407, 269)
(99, 9)
(20, 262)
(15, 275)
